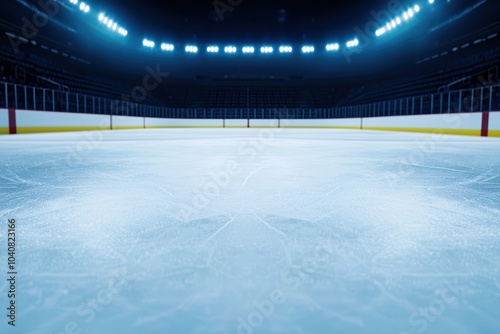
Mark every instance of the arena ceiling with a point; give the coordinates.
(253, 21)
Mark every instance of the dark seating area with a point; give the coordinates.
(34, 71)
(467, 71)
(250, 97)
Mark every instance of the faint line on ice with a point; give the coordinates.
(252, 173)
(269, 226)
(443, 168)
(219, 230)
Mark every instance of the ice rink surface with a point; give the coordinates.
(233, 231)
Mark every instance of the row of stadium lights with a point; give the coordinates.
(394, 23)
(247, 49)
(108, 22)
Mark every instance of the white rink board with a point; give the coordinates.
(236, 122)
(4, 118)
(464, 121)
(494, 123)
(128, 121)
(157, 122)
(347, 123)
(182, 122)
(263, 123)
(28, 118)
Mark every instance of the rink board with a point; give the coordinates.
(494, 124)
(457, 124)
(45, 121)
(471, 124)
(349, 123)
(235, 123)
(182, 123)
(4, 122)
(127, 122)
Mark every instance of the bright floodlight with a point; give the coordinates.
(353, 43)
(147, 43)
(307, 49)
(86, 9)
(122, 32)
(380, 31)
(110, 23)
(332, 47)
(167, 47)
(82, 6)
(266, 49)
(431, 1)
(285, 49)
(405, 16)
(105, 20)
(388, 26)
(398, 20)
(101, 17)
(115, 26)
(416, 8)
(248, 49)
(393, 24)
(74, 2)
(230, 49)
(191, 49)
(410, 12)
(213, 49)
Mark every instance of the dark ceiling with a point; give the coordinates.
(254, 21)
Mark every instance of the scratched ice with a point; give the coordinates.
(253, 231)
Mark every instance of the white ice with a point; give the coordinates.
(233, 231)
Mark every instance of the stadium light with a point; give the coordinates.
(416, 8)
(84, 7)
(266, 49)
(380, 31)
(212, 49)
(431, 1)
(167, 47)
(307, 49)
(74, 2)
(248, 49)
(111, 24)
(230, 49)
(147, 43)
(285, 49)
(191, 49)
(353, 43)
(410, 12)
(332, 47)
